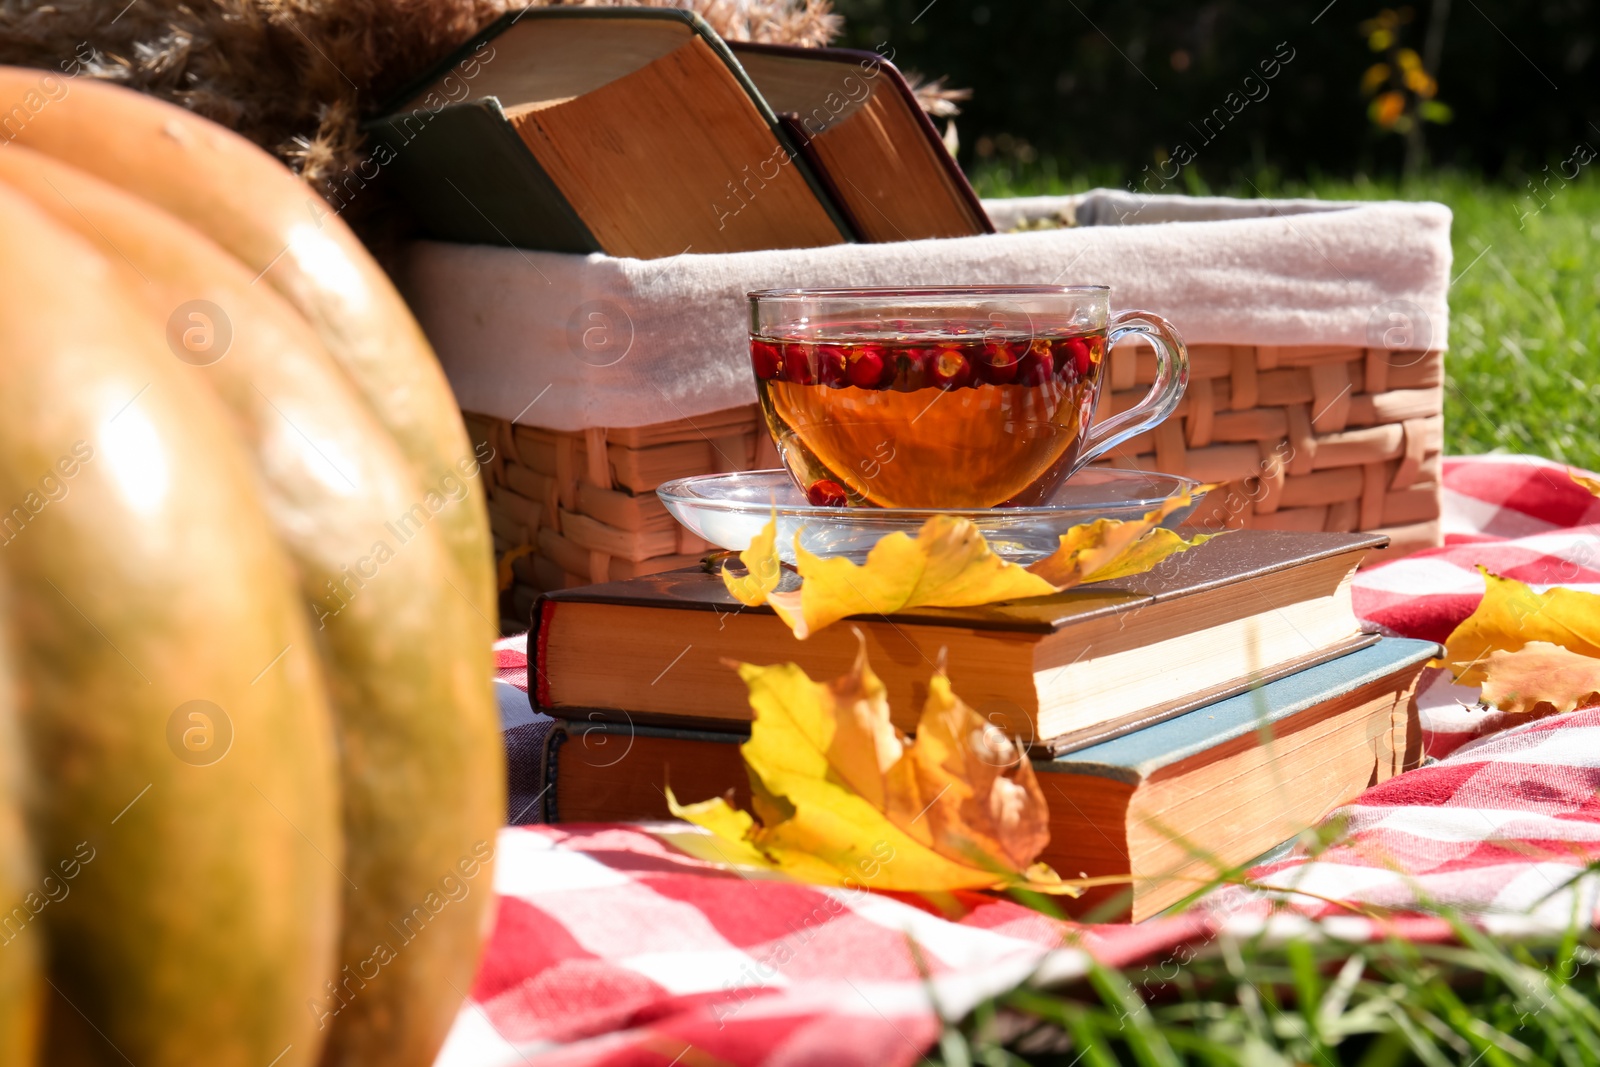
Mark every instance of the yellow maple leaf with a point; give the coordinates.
(840, 797)
(1540, 673)
(1112, 548)
(948, 564)
(1591, 484)
(1511, 616)
(761, 566)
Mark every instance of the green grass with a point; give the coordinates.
(1523, 369)
(1311, 999)
(1319, 1003)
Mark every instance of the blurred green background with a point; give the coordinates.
(1488, 106)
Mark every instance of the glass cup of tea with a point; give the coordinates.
(947, 398)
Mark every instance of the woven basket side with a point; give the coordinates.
(1307, 438)
(1298, 438)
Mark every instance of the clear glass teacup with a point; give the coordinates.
(960, 397)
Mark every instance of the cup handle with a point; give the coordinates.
(1172, 378)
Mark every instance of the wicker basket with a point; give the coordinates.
(574, 508)
(1303, 438)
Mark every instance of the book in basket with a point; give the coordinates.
(639, 132)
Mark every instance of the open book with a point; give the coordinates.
(637, 132)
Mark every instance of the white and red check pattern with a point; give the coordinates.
(1517, 516)
(613, 946)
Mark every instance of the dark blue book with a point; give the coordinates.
(1170, 806)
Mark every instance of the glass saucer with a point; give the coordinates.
(729, 509)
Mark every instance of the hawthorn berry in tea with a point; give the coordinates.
(902, 420)
(945, 398)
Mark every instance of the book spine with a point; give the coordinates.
(551, 811)
(527, 748)
(544, 610)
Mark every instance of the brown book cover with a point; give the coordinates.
(1164, 805)
(868, 140)
(1058, 672)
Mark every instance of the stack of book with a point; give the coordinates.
(639, 132)
(1183, 721)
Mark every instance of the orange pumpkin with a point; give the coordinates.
(263, 592)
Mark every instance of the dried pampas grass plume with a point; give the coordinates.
(937, 99)
(298, 76)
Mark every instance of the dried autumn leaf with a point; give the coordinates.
(1511, 615)
(1591, 484)
(976, 806)
(1111, 548)
(1540, 673)
(948, 564)
(762, 569)
(840, 797)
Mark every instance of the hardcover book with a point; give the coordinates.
(1058, 672)
(868, 140)
(630, 131)
(638, 132)
(1170, 806)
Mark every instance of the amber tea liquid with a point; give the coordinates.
(947, 419)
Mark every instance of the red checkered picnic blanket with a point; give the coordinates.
(614, 947)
